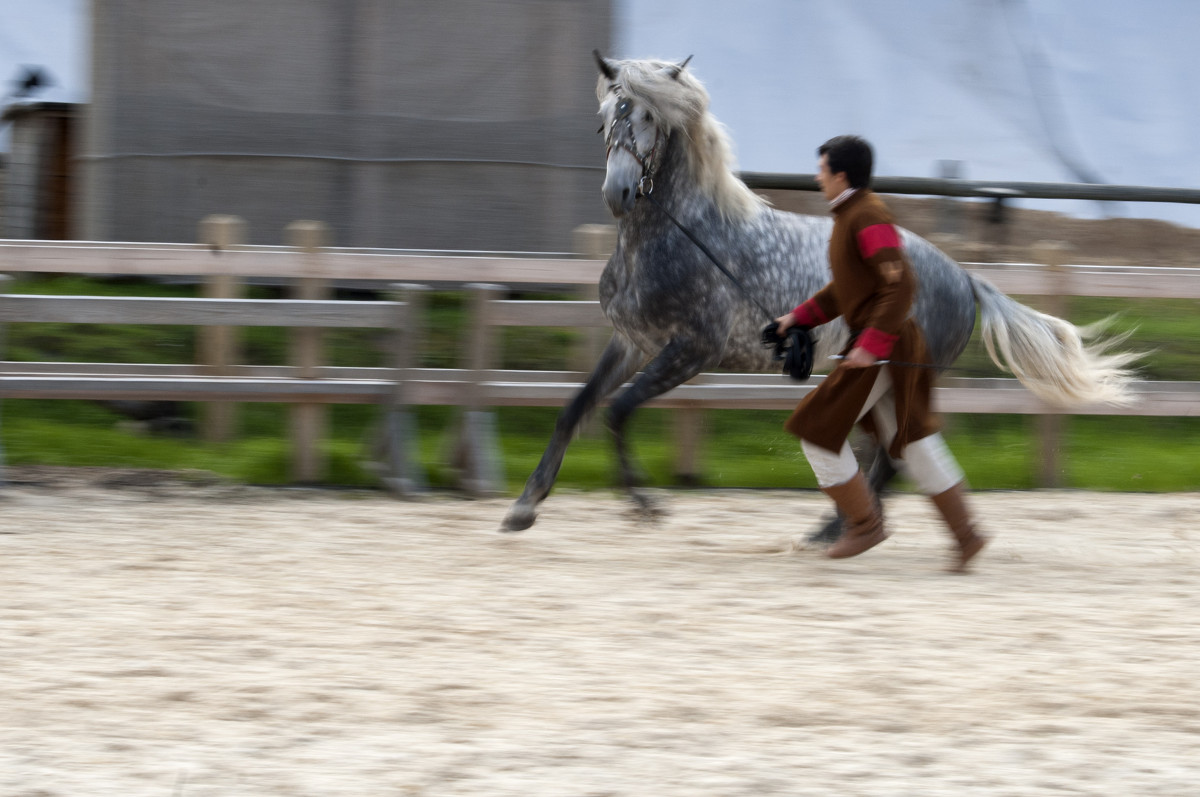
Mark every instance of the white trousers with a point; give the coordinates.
(927, 462)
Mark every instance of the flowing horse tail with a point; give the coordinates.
(1059, 362)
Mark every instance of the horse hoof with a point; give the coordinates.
(518, 519)
(831, 533)
(647, 509)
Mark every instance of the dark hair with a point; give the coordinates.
(852, 155)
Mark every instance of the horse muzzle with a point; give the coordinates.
(621, 181)
(620, 196)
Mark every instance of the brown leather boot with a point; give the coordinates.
(864, 520)
(953, 507)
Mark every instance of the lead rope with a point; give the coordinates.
(649, 195)
(798, 357)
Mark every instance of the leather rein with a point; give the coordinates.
(628, 142)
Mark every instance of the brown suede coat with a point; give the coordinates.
(873, 286)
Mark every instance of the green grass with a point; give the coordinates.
(998, 452)
(738, 449)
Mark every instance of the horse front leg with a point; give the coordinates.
(618, 362)
(678, 362)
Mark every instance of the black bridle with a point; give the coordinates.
(628, 142)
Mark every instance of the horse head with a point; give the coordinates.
(636, 124)
(643, 104)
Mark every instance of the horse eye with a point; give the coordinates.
(624, 108)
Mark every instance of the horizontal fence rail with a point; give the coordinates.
(1128, 282)
(1030, 279)
(445, 386)
(772, 392)
(990, 189)
(481, 384)
(195, 312)
(290, 262)
(275, 390)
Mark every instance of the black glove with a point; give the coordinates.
(798, 359)
(771, 339)
(795, 348)
(770, 335)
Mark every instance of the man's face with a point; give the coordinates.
(832, 185)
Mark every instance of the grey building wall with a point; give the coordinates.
(21, 183)
(35, 192)
(457, 124)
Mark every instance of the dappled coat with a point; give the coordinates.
(874, 287)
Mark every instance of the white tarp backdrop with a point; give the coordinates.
(1027, 90)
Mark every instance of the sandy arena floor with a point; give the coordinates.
(171, 640)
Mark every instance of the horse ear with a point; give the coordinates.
(606, 68)
(676, 71)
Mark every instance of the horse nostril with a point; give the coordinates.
(625, 195)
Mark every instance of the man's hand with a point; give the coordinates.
(774, 333)
(859, 358)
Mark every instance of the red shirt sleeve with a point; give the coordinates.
(881, 249)
(875, 238)
(810, 314)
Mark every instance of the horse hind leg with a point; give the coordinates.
(618, 362)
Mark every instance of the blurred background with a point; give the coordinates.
(470, 124)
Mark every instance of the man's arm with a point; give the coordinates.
(880, 247)
(818, 310)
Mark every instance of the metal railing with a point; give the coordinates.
(987, 189)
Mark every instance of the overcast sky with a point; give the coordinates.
(50, 34)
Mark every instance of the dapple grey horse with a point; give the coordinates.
(675, 315)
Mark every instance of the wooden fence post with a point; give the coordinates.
(308, 422)
(218, 344)
(396, 454)
(1053, 255)
(4, 280)
(476, 451)
(689, 432)
(591, 242)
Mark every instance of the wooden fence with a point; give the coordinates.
(480, 384)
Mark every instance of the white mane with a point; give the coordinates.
(679, 101)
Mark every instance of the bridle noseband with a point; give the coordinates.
(648, 162)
